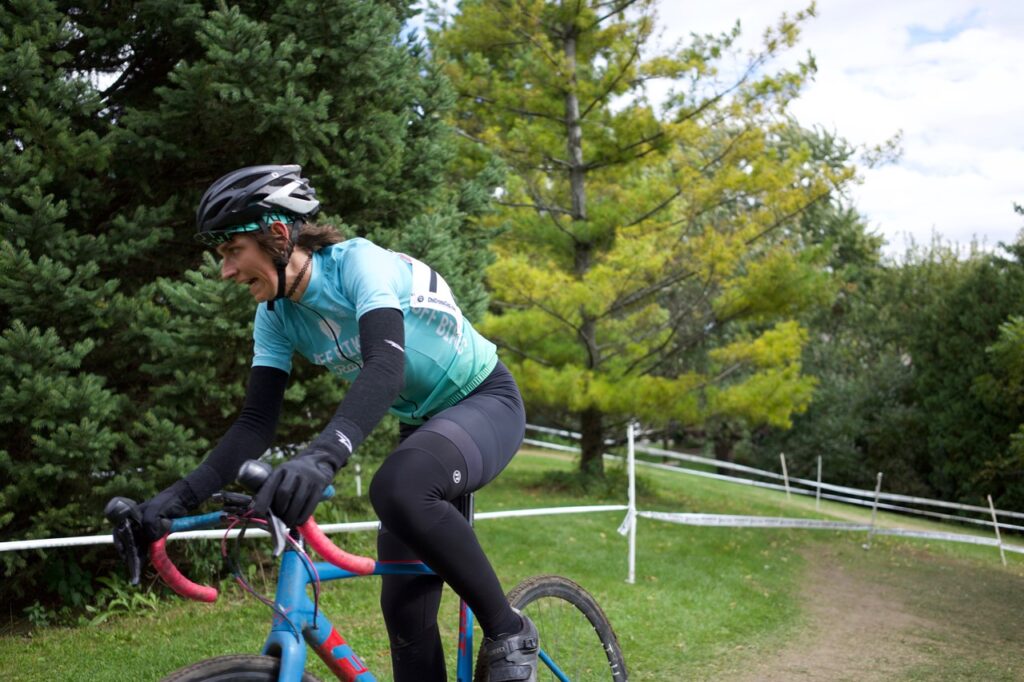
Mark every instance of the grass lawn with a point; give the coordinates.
(707, 601)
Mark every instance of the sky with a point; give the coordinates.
(947, 74)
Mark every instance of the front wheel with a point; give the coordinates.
(576, 640)
(241, 668)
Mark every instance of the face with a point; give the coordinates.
(246, 263)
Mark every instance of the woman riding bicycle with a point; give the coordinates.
(389, 325)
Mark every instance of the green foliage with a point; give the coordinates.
(920, 374)
(119, 598)
(122, 356)
(636, 241)
(608, 486)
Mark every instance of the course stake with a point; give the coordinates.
(874, 511)
(785, 474)
(995, 524)
(631, 513)
(817, 495)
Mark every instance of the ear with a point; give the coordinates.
(279, 229)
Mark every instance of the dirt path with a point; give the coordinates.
(896, 614)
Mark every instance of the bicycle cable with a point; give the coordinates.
(234, 564)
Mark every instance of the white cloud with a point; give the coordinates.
(948, 73)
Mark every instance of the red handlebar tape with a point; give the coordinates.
(360, 565)
(174, 578)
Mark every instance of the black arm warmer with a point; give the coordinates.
(382, 342)
(248, 437)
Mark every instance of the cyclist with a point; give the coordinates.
(389, 325)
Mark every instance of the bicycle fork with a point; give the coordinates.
(288, 631)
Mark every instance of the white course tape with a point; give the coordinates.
(550, 446)
(732, 521)
(894, 497)
(358, 526)
(735, 521)
(813, 485)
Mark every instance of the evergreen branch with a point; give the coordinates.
(709, 207)
(711, 101)
(511, 21)
(616, 8)
(621, 159)
(644, 292)
(721, 375)
(514, 110)
(656, 351)
(535, 195)
(461, 132)
(657, 208)
(725, 151)
(537, 207)
(785, 218)
(676, 325)
(618, 77)
(556, 162)
(523, 354)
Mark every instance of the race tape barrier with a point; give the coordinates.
(893, 497)
(50, 543)
(737, 521)
(813, 486)
(825, 496)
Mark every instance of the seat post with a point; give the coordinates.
(464, 503)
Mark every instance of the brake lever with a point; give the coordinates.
(233, 503)
(128, 548)
(278, 533)
(123, 513)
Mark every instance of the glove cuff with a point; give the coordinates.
(199, 485)
(335, 443)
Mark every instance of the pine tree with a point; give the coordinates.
(650, 267)
(123, 355)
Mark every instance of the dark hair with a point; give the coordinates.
(312, 237)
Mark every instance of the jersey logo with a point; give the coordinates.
(343, 439)
(456, 476)
(394, 345)
(330, 328)
(431, 292)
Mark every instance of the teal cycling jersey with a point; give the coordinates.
(445, 357)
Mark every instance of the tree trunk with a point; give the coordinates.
(724, 441)
(591, 418)
(574, 137)
(592, 441)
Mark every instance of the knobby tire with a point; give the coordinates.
(240, 668)
(573, 630)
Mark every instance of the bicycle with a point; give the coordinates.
(577, 640)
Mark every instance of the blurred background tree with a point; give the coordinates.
(122, 356)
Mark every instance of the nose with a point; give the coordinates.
(227, 270)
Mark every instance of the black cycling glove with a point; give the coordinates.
(294, 488)
(158, 511)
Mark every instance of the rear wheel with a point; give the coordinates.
(575, 634)
(240, 668)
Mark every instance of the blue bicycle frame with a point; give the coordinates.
(287, 633)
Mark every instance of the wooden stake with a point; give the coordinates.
(995, 524)
(817, 497)
(785, 475)
(874, 510)
(631, 513)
